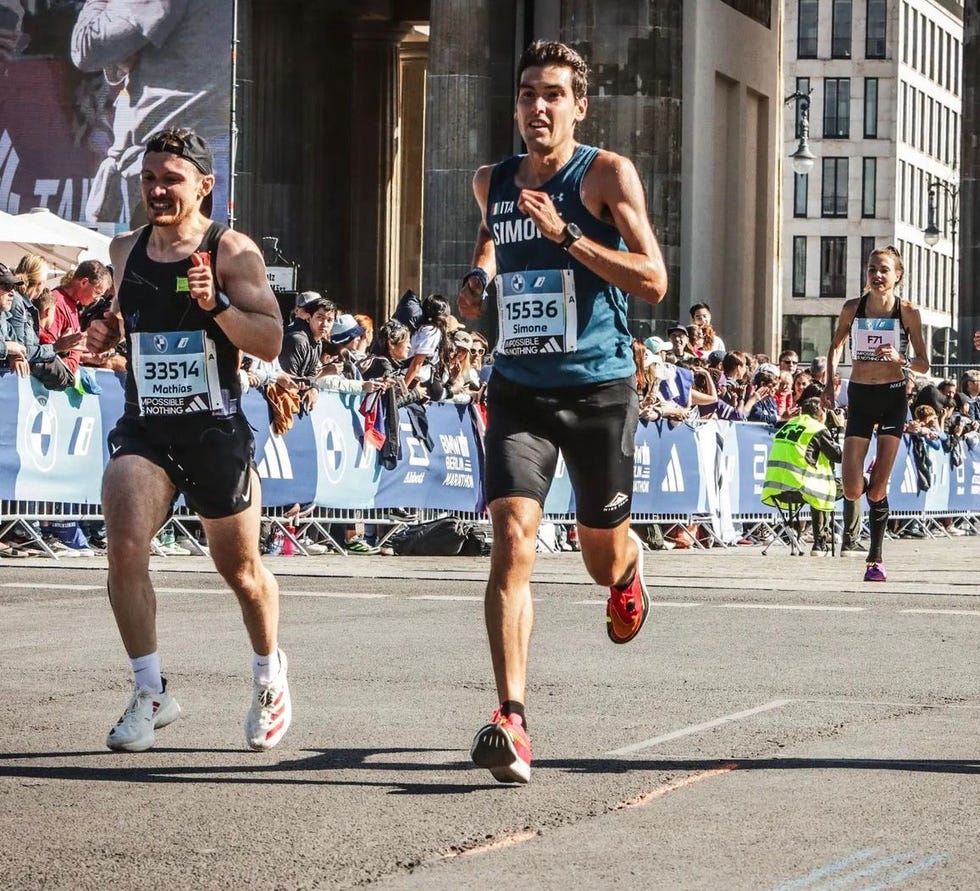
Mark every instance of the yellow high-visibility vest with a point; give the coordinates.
(788, 470)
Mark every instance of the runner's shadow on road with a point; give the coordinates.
(624, 765)
(319, 767)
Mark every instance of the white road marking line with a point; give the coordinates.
(653, 603)
(803, 607)
(945, 612)
(697, 728)
(49, 587)
(891, 703)
(350, 595)
(811, 878)
(445, 597)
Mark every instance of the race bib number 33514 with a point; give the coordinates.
(176, 373)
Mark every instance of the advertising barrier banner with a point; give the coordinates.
(53, 448)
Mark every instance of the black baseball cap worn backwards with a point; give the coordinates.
(184, 144)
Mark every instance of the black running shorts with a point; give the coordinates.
(593, 425)
(869, 404)
(209, 460)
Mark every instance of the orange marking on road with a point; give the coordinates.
(505, 841)
(647, 797)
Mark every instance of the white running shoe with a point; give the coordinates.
(134, 731)
(271, 712)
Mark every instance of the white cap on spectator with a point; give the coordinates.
(345, 329)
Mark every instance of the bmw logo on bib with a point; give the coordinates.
(517, 282)
(160, 343)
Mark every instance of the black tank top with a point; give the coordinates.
(153, 298)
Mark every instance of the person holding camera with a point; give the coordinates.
(880, 327)
(763, 408)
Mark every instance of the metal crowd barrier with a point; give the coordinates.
(20, 516)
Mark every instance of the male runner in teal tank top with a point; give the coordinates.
(189, 295)
(565, 231)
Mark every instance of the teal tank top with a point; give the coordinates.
(596, 321)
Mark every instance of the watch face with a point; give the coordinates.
(574, 231)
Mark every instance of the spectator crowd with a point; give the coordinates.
(423, 354)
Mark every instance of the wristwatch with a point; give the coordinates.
(572, 233)
(221, 303)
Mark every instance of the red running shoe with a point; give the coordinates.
(504, 748)
(627, 608)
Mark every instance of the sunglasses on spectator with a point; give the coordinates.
(477, 351)
(791, 361)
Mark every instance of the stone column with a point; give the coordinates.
(372, 123)
(968, 319)
(633, 48)
(457, 138)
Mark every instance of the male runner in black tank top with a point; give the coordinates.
(190, 295)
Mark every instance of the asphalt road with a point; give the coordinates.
(779, 724)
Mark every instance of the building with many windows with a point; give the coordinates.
(883, 79)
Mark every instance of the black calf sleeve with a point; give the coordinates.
(878, 521)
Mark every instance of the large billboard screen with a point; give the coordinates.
(83, 83)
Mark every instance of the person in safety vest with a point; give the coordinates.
(801, 461)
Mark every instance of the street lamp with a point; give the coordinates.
(931, 234)
(803, 159)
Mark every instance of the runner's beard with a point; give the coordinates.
(170, 218)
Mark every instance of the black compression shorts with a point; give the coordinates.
(209, 460)
(593, 425)
(869, 404)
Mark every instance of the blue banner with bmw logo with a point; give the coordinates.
(60, 442)
(53, 448)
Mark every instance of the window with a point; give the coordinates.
(930, 129)
(903, 110)
(913, 107)
(932, 50)
(833, 266)
(834, 203)
(837, 108)
(901, 183)
(799, 266)
(956, 68)
(905, 33)
(945, 135)
(803, 89)
(869, 187)
(806, 35)
(867, 246)
(801, 182)
(949, 61)
(915, 39)
(840, 30)
(874, 47)
(871, 107)
(921, 144)
(940, 65)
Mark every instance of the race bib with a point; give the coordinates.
(538, 312)
(176, 373)
(869, 334)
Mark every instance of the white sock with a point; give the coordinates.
(146, 673)
(266, 668)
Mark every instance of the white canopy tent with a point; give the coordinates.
(19, 236)
(96, 245)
